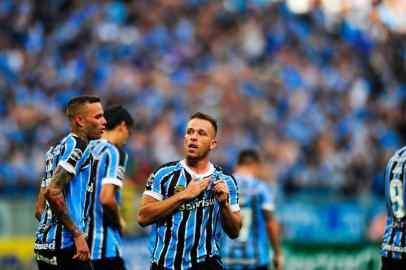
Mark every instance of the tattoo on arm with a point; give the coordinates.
(60, 177)
(56, 199)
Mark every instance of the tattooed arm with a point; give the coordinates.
(56, 198)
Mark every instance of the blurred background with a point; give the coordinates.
(317, 86)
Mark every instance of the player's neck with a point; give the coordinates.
(80, 133)
(111, 137)
(243, 171)
(198, 165)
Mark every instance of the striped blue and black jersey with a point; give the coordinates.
(251, 249)
(72, 155)
(394, 240)
(191, 234)
(108, 168)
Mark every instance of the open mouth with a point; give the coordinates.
(192, 146)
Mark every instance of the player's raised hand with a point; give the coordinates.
(194, 188)
(221, 191)
(82, 249)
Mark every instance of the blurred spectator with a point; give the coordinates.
(318, 86)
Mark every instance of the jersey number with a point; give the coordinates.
(246, 216)
(396, 198)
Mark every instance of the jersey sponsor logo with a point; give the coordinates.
(76, 154)
(398, 159)
(54, 152)
(38, 246)
(197, 204)
(51, 261)
(393, 248)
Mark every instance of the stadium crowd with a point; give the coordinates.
(319, 93)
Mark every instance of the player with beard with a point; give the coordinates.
(189, 202)
(60, 238)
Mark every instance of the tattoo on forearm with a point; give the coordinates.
(56, 199)
(60, 178)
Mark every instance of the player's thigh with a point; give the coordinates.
(76, 265)
(60, 260)
(66, 261)
(116, 263)
(46, 260)
(44, 266)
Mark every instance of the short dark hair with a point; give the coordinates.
(75, 103)
(199, 115)
(115, 114)
(248, 157)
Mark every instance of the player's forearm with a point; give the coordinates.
(113, 213)
(230, 221)
(274, 236)
(40, 204)
(58, 205)
(56, 198)
(152, 212)
(38, 212)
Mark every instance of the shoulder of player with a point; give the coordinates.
(167, 168)
(75, 142)
(399, 152)
(223, 175)
(117, 151)
(103, 146)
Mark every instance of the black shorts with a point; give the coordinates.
(116, 263)
(212, 263)
(60, 260)
(393, 264)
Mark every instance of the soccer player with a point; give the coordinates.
(394, 241)
(251, 249)
(60, 240)
(188, 202)
(106, 223)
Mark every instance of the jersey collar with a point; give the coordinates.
(200, 175)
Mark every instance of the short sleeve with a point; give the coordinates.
(267, 197)
(234, 196)
(153, 188)
(115, 170)
(46, 177)
(74, 148)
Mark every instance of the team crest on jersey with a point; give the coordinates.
(179, 188)
(150, 180)
(76, 154)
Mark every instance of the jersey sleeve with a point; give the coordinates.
(44, 175)
(153, 185)
(234, 196)
(267, 197)
(116, 162)
(73, 152)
